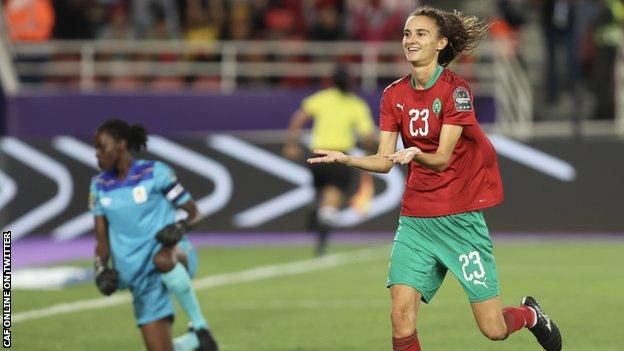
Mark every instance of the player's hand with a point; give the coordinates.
(106, 279)
(329, 156)
(172, 233)
(292, 151)
(405, 156)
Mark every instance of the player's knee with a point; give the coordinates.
(403, 319)
(401, 311)
(164, 261)
(494, 333)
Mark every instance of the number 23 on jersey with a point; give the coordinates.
(416, 128)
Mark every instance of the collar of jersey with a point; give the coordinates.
(431, 82)
(136, 167)
(112, 175)
(111, 181)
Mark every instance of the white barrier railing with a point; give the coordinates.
(513, 95)
(229, 64)
(227, 61)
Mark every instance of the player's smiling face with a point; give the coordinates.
(421, 40)
(106, 151)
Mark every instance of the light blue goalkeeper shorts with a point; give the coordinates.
(150, 297)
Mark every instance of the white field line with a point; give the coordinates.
(253, 305)
(254, 274)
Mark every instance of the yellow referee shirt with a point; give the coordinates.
(338, 117)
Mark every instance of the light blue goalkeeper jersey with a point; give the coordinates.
(136, 208)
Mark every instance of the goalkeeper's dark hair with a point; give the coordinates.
(135, 135)
(463, 32)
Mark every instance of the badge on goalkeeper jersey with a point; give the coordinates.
(139, 194)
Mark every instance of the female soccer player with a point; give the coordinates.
(134, 203)
(453, 175)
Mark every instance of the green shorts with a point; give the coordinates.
(426, 247)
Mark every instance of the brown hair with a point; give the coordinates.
(463, 32)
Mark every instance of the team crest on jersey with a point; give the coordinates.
(436, 107)
(139, 194)
(461, 96)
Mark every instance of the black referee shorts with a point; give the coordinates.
(337, 175)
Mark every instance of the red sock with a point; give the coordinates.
(409, 343)
(518, 317)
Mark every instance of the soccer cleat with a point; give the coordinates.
(545, 330)
(206, 341)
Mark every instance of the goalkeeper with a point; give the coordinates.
(134, 202)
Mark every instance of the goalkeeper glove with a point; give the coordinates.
(106, 279)
(172, 233)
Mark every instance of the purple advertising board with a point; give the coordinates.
(41, 115)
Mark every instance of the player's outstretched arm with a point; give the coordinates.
(379, 162)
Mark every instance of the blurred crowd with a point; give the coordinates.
(578, 38)
(580, 42)
(204, 21)
(211, 19)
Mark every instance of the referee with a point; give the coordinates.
(339, 116)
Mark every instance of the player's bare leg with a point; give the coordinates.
(330, 202)
(157, 335)
(489, 317)
(405, 303)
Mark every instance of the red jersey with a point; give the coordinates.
(472, 180)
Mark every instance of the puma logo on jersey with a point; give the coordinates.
(399, 106)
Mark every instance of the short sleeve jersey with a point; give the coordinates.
(472, 179)
(136, 208)
(338, 118)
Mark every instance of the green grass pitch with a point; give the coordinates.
(346, 306)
